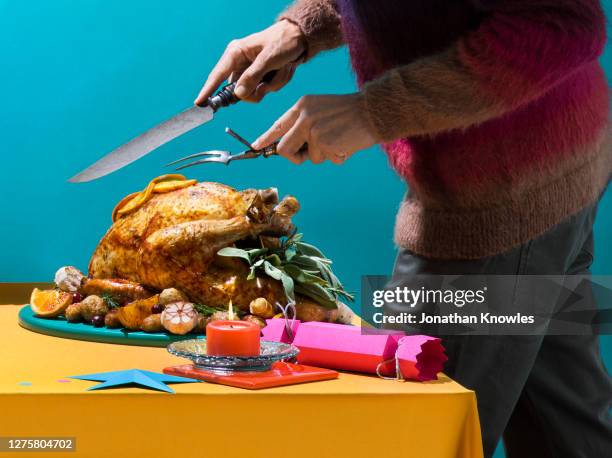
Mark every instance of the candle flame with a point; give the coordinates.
(230, 311)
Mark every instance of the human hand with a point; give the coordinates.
(333, 126)
(247, 60)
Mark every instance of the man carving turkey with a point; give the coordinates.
(496, 112)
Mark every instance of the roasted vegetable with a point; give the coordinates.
(69, 279)
(179, 317)
(120, 290)
(92, 306)
(200, 327)
(312, 312)
(261, 307)
(255, 319)
(73, 313)
(111, 320)
(345, 314)
(132, 315)
(218, 315)
(152, 323)
(170, 295)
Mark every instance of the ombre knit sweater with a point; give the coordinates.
(496, 112)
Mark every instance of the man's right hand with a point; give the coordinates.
(247, 60)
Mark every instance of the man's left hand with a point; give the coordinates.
(333, 126)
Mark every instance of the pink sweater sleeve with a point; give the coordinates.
(319, 21)
(523, 48)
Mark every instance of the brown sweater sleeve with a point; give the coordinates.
(518, 53)
(319, 21)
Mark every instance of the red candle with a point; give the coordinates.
(232, 338)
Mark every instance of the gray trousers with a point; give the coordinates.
(547, 395)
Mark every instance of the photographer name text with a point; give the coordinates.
(411, 298)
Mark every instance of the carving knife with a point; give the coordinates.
(161, 134)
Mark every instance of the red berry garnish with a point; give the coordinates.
(97, 321)
(157, 308)
(76, 298)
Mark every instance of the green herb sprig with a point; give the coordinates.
(300, 267)
(205, 309)
(111, 301)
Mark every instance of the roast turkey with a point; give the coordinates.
(172, 240)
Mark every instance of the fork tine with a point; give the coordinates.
(192, 156)
(202, 161)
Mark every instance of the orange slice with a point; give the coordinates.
(138, 201)
(49, 303)
(172, 185)
(168, 177)
(161, 184)
(122, 204)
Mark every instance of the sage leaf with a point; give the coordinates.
(302, 276)
(305, 261)
(285, 279)
(308, 249)
(257, 252)
(301, 268)
(288, 286)
(235, 253)
(289, 254)
(272, 271)
(318, 294)
(274, 259)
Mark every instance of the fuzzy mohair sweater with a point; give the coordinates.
(496, 112)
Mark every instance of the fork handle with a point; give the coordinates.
(226, 96)
(270, 150)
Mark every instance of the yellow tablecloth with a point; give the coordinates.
(354, 416)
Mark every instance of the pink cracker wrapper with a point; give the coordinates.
(344, 347)
(276, 331)
(420, 357)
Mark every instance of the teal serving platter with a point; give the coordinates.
(59, 327)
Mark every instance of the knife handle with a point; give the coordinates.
(226, 96)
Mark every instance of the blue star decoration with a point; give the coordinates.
(146, 379)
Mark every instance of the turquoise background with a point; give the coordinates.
(81, 77)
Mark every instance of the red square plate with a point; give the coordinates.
(280, 374)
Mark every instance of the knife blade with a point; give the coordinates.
(157, 136)
(145, 143)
